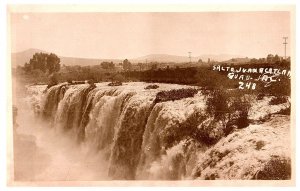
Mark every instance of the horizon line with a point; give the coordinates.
(138, 57)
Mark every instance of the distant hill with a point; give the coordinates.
(237, 60)
(161, 58)
(20, 58)
(218, 57)
(174, 58)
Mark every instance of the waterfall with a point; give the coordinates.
(121, 122)
(139, 138)
(52, 98)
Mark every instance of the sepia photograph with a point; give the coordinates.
(151, 96)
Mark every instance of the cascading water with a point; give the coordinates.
(121, 122)
(139, 138)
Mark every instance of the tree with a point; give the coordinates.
(47, 63)
(52, 63)
(27, 67)
(127, 66)
(140, 66)
(253, 61)
(107, 65)
(153, 66)
(117, 78)
(276, 58)
(262, 60)
(270, 58)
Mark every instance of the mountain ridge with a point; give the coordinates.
(20, 58)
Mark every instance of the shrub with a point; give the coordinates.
(171, 75)
(260, 96)
(259, 145)
(278, 100)
(212, 176)
(176, 94)
(196, 127)
(217, 103)
(209, 132)
(281, 88)
(204, 76)
(277, 168)
(285, 111)
(239, 110)
(229, 107)
(152, 86)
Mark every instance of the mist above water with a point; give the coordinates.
(42, 153)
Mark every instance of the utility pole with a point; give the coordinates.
(285, 43)
(190, 56)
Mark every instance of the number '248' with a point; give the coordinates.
(247, 85)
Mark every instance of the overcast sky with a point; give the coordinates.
(130, 35)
